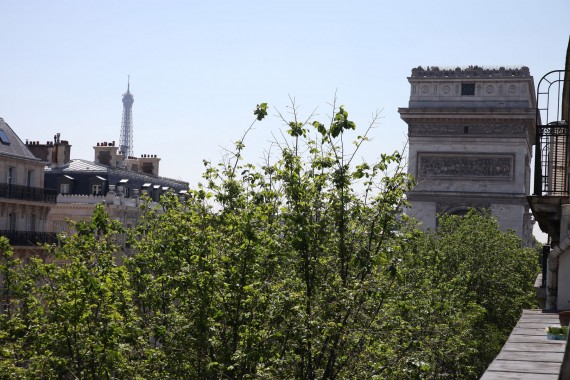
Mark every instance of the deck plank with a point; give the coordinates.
(524, 367)
(522, 347)
(539, 339)
(532, 356)
(517, 376)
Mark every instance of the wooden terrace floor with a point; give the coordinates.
(527, 353)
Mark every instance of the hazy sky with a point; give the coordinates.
(199, 68)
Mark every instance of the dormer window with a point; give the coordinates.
(96, 189)
(64, 188)
(4, 138)
(66, 184)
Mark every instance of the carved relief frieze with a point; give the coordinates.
(486, 129)
(465, 166)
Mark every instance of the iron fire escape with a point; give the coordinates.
(551, 154)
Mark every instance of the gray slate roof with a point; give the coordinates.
(16, 148)
(80, 165)
(86, 166)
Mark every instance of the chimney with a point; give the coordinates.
(108, 154)
(56, 153)
(148, 164)
(132, 163)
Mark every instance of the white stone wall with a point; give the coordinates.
(509, 216)
(471, 149)
(425, 212)
(563, 299)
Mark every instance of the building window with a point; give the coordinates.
(30, 178)
(11, 176)
(4, 138)
(32, 223)
(12, 221)
(467, 88)
(96, 189)
(64, 188)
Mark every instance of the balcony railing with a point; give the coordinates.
(27, 193)
(551, 155)
(29, 238)
(551, 160)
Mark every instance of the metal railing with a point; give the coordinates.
(29, 238)
(551, 149)
(551, 160)
(27, 193)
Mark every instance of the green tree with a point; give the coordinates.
(303, 268)
(18, 315)
(87, 324)
(285, 271)
(468, 282)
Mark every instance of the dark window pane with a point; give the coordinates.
(4, 138)
(467, 88)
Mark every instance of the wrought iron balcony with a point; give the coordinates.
(551, 156)
(29, 238)
(551, 160)
(27, 193)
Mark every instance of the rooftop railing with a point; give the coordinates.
(29, 238)
(27, 193)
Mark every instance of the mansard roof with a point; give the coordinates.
(114, 174)
(79, 165)
(11, 145)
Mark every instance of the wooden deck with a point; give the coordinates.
(527, 353)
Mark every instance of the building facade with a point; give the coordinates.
(24, 201)
(471, 133)
(110, 178)
(550, 201)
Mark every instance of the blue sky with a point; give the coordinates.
(199, 68)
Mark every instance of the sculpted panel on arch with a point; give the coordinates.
(498, 167)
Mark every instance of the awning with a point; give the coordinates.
(123, 181)
(100, 178)
(69, 177)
